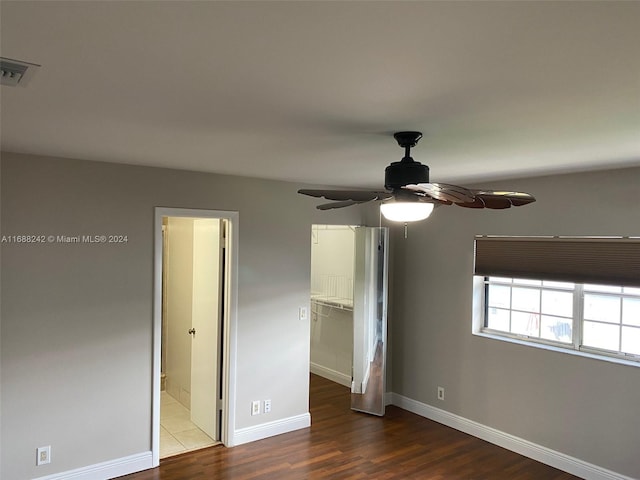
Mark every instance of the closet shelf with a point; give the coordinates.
(333, 302)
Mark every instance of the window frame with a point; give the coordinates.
(575, 347)
(521, 336)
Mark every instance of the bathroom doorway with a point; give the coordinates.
(192, 323)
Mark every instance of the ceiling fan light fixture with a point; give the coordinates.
(406, 211)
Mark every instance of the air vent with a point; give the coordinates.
(15, 72)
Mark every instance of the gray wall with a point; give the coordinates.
(76, 327)
(582, 407)
(76, 331)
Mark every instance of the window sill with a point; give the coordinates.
(553, 348)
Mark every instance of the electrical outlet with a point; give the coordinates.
(43, 455)
(440, 393)
(267, 406)
(255, 407)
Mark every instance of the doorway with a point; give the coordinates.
(194, 312)
(349, 311)
(332, 280)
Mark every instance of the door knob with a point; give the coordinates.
(192, 331)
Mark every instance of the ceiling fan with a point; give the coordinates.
(408, 194)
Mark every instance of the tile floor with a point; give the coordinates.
(177, 433)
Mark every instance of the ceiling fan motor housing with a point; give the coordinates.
(405, 172)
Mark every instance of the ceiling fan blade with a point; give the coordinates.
(341, 195)
(332, 205)
(477, 203)
(502, 199)
(494, 202)
(444, 191)
(410, 195)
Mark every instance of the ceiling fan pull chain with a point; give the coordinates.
(406, 229)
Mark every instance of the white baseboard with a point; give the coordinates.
(526, 448)
(105, 470)
(143, 461)
(330, 374)
(388, 399)
(270, 429)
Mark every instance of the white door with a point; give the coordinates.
(179, 302)
(207, 271)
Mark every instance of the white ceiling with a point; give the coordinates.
(312, 91)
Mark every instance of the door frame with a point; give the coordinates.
(229, 321)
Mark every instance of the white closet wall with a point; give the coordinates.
(332, 269)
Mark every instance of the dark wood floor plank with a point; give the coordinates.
(342, 444)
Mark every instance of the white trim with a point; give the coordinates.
(270, 429)
(104, 470)
(330, 374)
(230, 322)
(566, 350)
(524, 447)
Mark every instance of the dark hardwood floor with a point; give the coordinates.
(373, 399)
(342, 444)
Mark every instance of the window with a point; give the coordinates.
(576, 294)
(611, 318)
(596, 318)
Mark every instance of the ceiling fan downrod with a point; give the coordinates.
(407, 140)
